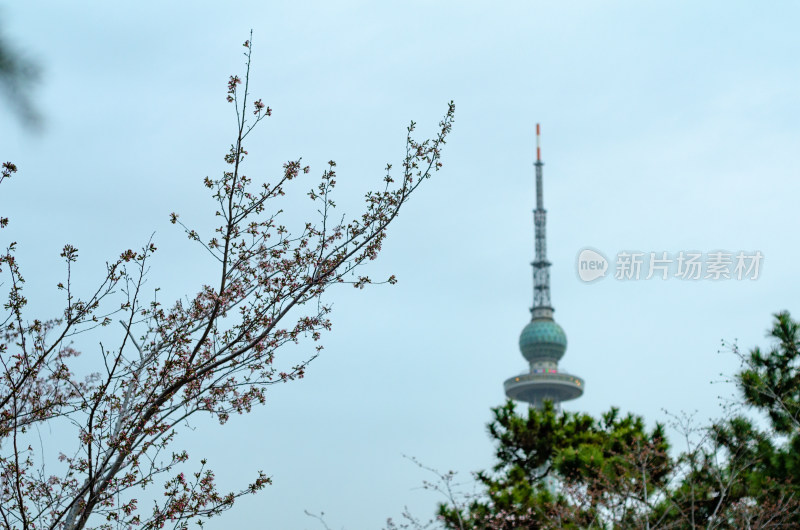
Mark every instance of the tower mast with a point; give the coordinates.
(541, 267)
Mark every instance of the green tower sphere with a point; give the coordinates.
(542, 340)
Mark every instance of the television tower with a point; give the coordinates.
(542, 341)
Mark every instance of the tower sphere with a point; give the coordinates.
(542, 340)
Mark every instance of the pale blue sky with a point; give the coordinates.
(666, 126)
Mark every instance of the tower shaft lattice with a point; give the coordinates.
(541, 267)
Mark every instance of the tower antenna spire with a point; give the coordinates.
(541, 267)
(538, 146)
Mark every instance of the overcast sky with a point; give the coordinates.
(669, 126)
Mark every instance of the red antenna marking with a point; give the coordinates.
(538, 149)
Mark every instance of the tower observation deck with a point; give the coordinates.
(542, 342)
